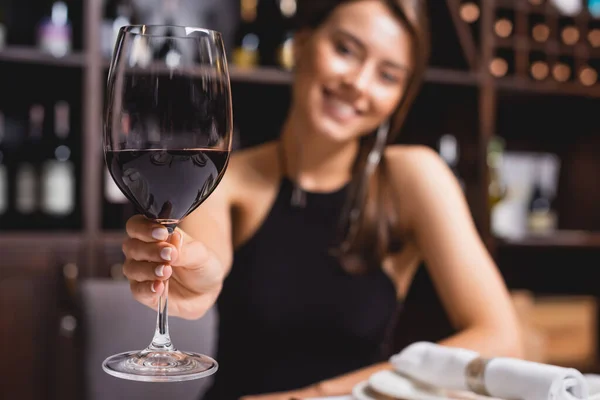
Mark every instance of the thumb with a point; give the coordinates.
(176, 240)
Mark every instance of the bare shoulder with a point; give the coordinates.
(421, 180)
(412, 164)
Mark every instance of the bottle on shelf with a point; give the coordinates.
(562, 70)
(503, 27)
(27, 196)
(469, 12)
(541, 215)
(505, 23)
(450, 152)
(569, 35)
(502, 64)
(58, 185)
(285, 55)
(540, 32)
(55, 32)
(247, 38)
(588, 76)
(593, 37)
(116, 15)
(538, 66)
(496, 188)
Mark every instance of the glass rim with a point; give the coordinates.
(128, 30)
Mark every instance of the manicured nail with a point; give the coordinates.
(152, 287)
(159, 271)
(160, 233)
(165, 253)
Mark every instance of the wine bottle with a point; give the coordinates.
(118, 16)
(594, 37)
(496, 188)
(58, 171)
(247, 39)
(562, 70)
(538, 68)
(588, 76)
(541, 217)
(55, 33)
(503, 27)
(450, 153)
(569, 35)
(27, 196)
(469, 12)
(505, 23)
(285, 57)
(503, 63)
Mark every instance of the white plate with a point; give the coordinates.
(358, 392)
(391, 384)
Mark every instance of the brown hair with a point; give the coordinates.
(368, 223)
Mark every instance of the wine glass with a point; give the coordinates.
(167, 139)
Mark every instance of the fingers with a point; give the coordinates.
(138, 250)
(147, 292)
(142, 271)
(141, 228)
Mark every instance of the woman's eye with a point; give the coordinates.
(391, 78)
(343, 49)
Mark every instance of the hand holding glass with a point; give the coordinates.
(167, 139)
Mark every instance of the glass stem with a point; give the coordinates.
(161, 340)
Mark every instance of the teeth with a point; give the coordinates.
(342, 108)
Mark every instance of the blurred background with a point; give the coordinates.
(511, 102)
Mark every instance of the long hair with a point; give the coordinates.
(368, 228)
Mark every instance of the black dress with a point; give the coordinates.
(289, 315)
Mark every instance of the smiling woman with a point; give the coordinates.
(311, 241)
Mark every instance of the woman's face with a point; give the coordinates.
(352, 70)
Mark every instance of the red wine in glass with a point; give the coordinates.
(167, 185)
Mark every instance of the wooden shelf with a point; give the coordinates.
(28, 237)
(278, 76)
(561, 239)
(266, 75)
(551, 47)
(32, 55)
(522, 84)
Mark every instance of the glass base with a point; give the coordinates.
(160, 366)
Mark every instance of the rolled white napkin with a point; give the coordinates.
(504, 378)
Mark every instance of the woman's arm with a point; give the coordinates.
(434, 211)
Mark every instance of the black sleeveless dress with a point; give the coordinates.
(289, 315)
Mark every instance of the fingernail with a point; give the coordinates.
(180, 240)
(165, 253)
(159, 271)
(152, 287)
(160, 233)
